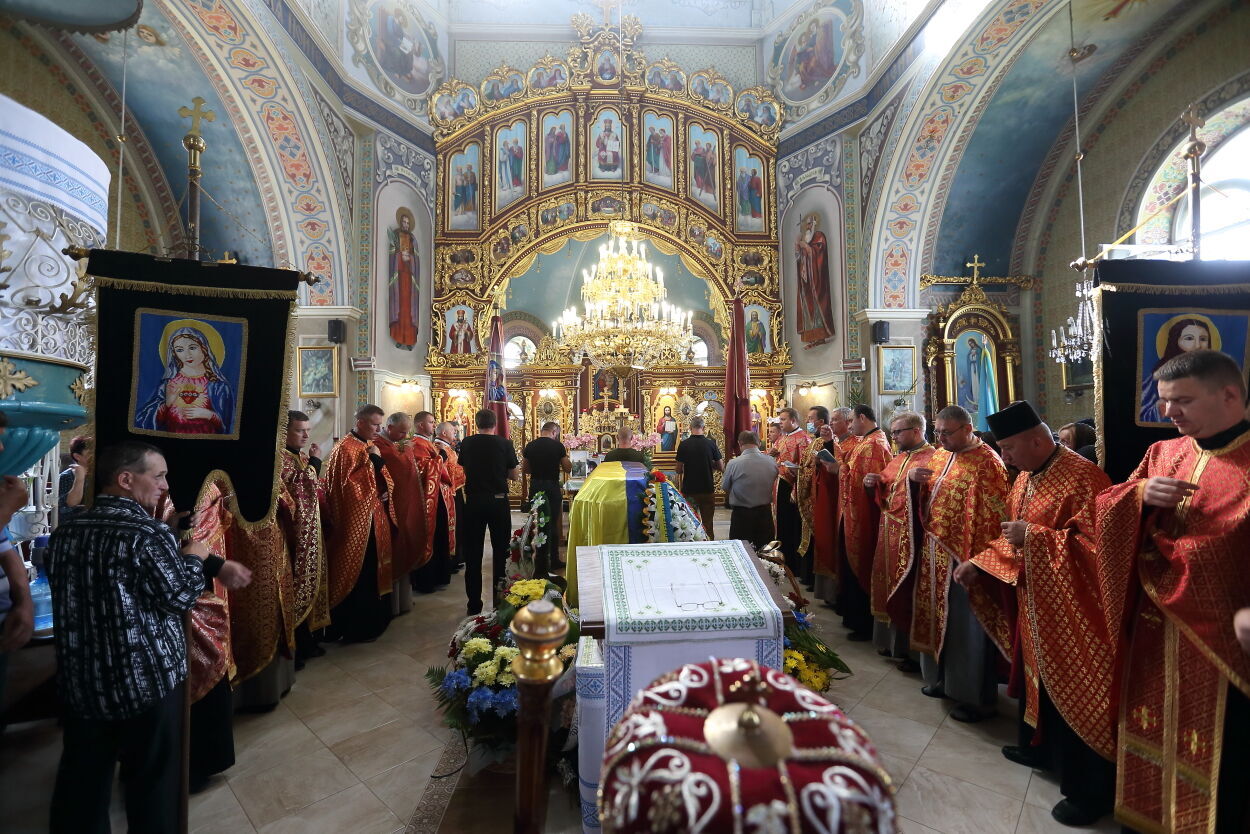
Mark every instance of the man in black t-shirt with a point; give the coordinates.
(697, 458)
(489, 462)
(543, 459)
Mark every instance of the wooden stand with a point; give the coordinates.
(539, 629)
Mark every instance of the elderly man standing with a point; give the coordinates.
(412, 502)
(438, 531)
(121, 583)
(749, 482)
(1046, 551)
(895, 536)
(697, 459)
(959, 506)
(791, 446)
(360, 522)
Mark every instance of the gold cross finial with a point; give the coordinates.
(606, 6)
(196, 113)
(975, 265)
(1191, 118)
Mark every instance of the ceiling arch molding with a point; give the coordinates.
(935, 133)
(258, 85)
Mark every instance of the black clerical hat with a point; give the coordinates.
(1015, 418)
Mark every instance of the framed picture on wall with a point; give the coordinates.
(896, 368)
(318, 371)
(1078, 375)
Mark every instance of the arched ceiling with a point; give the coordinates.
(96, 16)
(1026, 114)
(553, 282)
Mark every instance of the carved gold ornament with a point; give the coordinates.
(12, 380)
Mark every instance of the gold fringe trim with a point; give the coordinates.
(178, 289)
(1172, 289)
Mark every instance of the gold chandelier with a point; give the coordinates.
(626, 323)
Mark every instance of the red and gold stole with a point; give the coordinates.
(859, 512)
(209, 655)
(1064, 641)
(434, 487)
(817, 500)
(299, 515)
(1175, 578)
(353, 509)
(414, 508)
(790, 448)
(959, 511)
(894, 535)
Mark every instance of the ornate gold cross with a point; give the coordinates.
(1191, 118)
(196, 114)
(1024, 282)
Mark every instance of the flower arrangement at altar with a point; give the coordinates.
(806, 656)
(476, 691)
(585, 440)
(666, 517)
(645, 442)
(527, 539)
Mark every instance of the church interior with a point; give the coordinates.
(636, 231)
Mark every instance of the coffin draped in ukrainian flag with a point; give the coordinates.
(624, 503)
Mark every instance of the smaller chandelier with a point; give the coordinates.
(626, 322)
(1077, 341)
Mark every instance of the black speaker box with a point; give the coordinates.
(336, 331)
(880, 332)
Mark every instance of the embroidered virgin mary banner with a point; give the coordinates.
(1152, 311)
(193, 358)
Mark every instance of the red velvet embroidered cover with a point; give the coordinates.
(660, 776)
(1172, 579)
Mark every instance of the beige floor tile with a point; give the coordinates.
(217, 811)
(1036, 820)
(906, 826)
(953, 806)
(372, 752)
(334, 686)
(972, 760)
(898, 695)
(892, 734)
(264, 744)
(1043, 791)
(400, 669)
(354, 810)
(272, 794)
(849, 691)
(342, 721)
(995, 731)
(413, 700)
(897, 766)
(401, 786)
(355, 656)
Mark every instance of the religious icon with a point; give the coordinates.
(704, 161)
(751, 278)
(545, 78)
(748, 192)
(557, 147)
(713, 247)
(318, 371)
(495, 391)
(510, 144)
(606, 67)
(402, 283)
(461, 333)
(666, 428)
(658, 133)
(400, 46)
(757, 329)
(1164, 334)
(810, 56)
(976, 380)
(463, 278)
(607, 386)
(463, 174)
(607, 147)
(499, 89)
(607, 205)
(189, 371)
(897, 368)
(815, 305)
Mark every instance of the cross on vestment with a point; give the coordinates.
(196, 113)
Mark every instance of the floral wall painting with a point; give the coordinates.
(815, 56)
(461, 330)
(657, 133)
(748, 192)
(557, 133)
(704, 175)
(463, 171)
(510, 167)
(607, 146)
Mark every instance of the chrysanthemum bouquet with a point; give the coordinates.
(807, 657)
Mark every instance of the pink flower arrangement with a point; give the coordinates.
(585, 440)
(645, 441)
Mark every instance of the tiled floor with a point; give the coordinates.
(353, 746)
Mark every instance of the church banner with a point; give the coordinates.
(1152, 311)
(194, 358)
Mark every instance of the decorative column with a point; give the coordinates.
(53, 195)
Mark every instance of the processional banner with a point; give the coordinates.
(1152, 311)
(194, 358)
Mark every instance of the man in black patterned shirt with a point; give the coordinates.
(120, 587)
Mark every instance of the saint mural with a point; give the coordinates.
(757, 330)
(976, 383)
(463, 194)
(666, 428)
(557, 148)
(510, 165)
(400, 48)
(748, 192)
(658, 131)
(704, 162)
(815, 305)
(403, 289)
(811, 56)
(461, 333)
(607, 147)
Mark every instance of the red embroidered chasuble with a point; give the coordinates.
(413, 505)
(860, 514)
(1061, 630)
(299, 516)
(209, 655)
(790, 449)
(894, 535)
(959, 511)
(1172, 580)
(818, 501)
(436, 486)
(352, 509)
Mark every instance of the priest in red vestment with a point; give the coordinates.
(438, 546)
(299, 516)
(790, 448)
(959, 507)
(895, 536)
(860, 519)
(1171, 544)
(1046, 551)
(360, 523)
(818, 495)
(409, 499)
